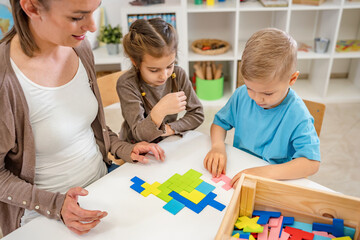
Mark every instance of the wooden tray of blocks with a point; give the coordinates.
(304, 213)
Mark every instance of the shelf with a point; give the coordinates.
(227, 6)
(347, 54)
(257, 6)
(327, 5)
(342, 90)
(101, 56)
(169, 6)
(228, 56)
(351, 5)
(305, 89)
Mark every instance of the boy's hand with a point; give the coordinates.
(142, 148)
(215, 161)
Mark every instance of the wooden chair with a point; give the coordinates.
(317, 110)
(107, 88)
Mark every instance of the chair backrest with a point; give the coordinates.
(107, 87)
(317, 110)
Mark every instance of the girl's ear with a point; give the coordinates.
(294, 77)
(31, 8)
(133, 62)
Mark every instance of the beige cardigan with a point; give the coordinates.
(17, 150)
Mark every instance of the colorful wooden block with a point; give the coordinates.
(150, 189)
(173, 206)
(244, 221)
(264, 234)
(276, 231)
(307, 227)
(194, 196)
(297, 234)
(336, 229)
(265, 216)
(205, 188)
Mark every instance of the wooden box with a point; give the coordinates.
(304, 204)
(309, 2)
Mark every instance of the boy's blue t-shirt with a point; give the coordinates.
(276, 135)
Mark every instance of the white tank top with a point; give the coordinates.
(66, 151)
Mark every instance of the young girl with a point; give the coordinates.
(154, 91)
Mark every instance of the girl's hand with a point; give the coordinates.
(77, 219)
(142, 148)
(168, 131)
(215, 161)
(171, 103)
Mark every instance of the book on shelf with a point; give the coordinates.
(168, 17)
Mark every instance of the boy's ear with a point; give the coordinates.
(294, 77)
(30, 7)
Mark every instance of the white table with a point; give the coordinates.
(132, 216)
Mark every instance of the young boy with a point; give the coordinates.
(270, 119)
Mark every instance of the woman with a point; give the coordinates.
(54, 140)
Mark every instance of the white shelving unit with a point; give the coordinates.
(235, 21)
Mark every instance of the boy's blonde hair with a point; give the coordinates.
(269, 54)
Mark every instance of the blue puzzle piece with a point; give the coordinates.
(192, 206)
(243, 235)
(215, 204)
(286, 221)
(137, 184)
(307, 227)
(348, 231)
(265, 215)
(205, 188)
(318, 237)
(137, 180)
(173, 206)
(137, 188)
(336, 229)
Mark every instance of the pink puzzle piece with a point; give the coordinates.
(264, 234)
(225, 179)
(274, 222)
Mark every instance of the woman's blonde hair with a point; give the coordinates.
(21, 27)
(154, 37)
(269, 54)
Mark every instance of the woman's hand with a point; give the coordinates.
(77, 219)
(142, 148)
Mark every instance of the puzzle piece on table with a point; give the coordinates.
(225, 179)
(180, 191)
(150, 189)
(205, 188)
(137, 184)
(297, 234)
(173, 206)
(336, 229)
(265, 216)
(195, 196)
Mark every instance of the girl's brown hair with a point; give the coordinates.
(21, 27)
(154, 37)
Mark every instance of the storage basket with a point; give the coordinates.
(210, 46)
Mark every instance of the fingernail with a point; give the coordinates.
(83, 191)
(99, 214)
